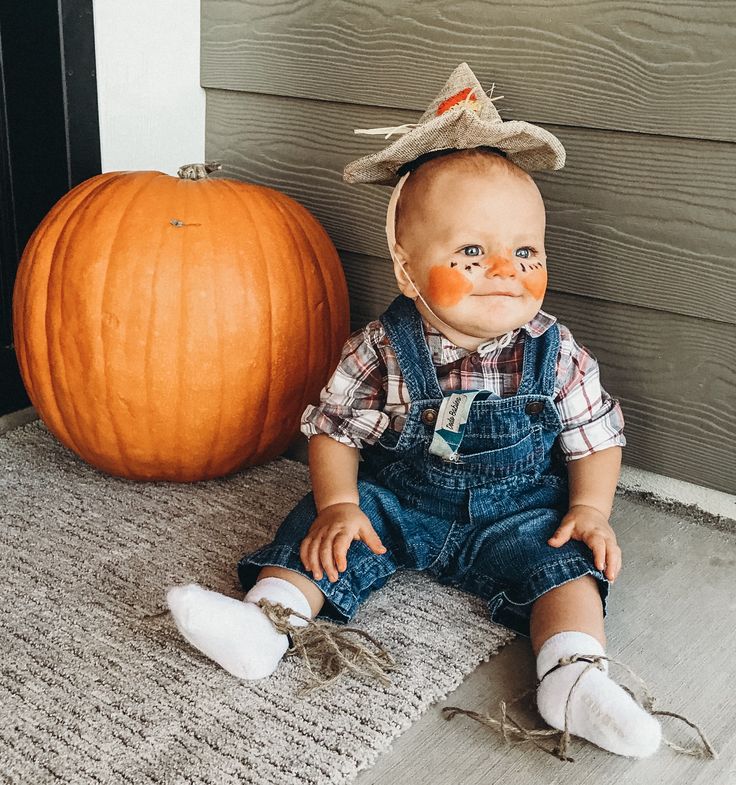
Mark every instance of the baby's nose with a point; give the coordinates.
(500, 265)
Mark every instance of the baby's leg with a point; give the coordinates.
(308, 588)
(569, 620)
(237, 634)
(575, 605)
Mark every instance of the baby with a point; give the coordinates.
(464, 433)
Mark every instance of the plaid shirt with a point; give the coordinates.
(367, 394)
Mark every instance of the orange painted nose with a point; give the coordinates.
(500, 265)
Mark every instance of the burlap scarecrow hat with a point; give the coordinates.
(461, 116)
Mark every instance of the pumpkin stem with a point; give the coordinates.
(198, 171)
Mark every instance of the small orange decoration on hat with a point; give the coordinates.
(448, 103)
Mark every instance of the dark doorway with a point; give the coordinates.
(49, 137)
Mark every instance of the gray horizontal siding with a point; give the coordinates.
(652, 67)
(640, 222)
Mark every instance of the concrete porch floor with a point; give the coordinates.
(671, 619)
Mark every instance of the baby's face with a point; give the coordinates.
(473, 243)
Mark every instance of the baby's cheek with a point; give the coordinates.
(447, 286)
(535, 282)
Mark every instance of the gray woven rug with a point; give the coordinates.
(93, 693)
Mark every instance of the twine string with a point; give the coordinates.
(508, 725)
(323, 642)
(329, 646)
(326, 648)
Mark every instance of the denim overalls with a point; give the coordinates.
(479, 523)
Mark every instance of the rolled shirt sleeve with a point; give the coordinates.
(592, 420)
(350, 405)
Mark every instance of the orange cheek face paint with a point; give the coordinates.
(535, 282)
(447, 286)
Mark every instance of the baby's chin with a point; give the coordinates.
(488, 324)
(486, 331)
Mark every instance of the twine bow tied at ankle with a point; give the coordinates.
(329, 645)
(508, 725)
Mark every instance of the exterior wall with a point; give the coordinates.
(640, 222)
(151, 105)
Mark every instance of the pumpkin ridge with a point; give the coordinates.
(309, 327)
(338, 326)
(61, 244)
(206, 205)
(335, 287)
(126, 185)
(149, 378)
(24, 285)
(249, 212)
(234, 248)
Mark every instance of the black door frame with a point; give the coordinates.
(49, 137)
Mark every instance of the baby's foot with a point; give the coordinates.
(236, 634)
(600, 710)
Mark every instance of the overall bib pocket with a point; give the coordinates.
(519, 458)
(521, 454)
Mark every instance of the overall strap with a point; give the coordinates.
(403, 325)
(540, 362)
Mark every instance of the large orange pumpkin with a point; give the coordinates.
(175, 328)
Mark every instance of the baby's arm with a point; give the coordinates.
(593, 479)
(592, 438)
(349, 415)
(592, 482)
(333, 467)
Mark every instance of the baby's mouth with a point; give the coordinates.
(496, 294)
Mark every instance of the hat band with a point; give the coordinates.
(410, 166)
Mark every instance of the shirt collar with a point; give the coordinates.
(444, 351)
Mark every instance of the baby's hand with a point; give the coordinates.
(591, 526)
(330, 535)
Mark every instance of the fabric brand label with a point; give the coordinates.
(449, 428)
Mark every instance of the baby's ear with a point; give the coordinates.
(402, 272)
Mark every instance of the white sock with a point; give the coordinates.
(600, 710)
(237, 634)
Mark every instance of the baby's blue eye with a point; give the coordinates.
(480, 250)
(528, 249)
